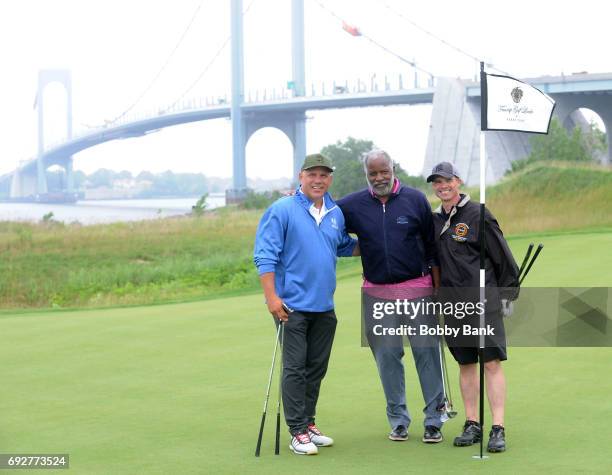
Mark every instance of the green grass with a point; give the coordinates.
(179, 389)
(182, 259)
(580, 259)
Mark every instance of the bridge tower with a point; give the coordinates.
(46, 77)
(293, 124)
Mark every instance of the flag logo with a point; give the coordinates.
(516, 94)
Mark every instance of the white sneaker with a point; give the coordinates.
(302, 445)
(318, 438)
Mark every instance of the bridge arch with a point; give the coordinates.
(279, 156)
(568, 111)
(47, 77)
(591, 124)
(292, 124)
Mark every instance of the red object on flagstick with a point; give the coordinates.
(350, 29)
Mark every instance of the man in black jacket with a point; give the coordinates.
(396, 237)
(457, 228)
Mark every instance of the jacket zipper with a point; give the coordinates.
(385, 240)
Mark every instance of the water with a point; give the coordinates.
(106, 211)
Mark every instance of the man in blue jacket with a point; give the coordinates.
(395, 229)
(296, 247)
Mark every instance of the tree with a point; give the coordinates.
(102, 178)
(559, 144)
(346, 157)
(349, 175)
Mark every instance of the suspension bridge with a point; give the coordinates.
(454, 126)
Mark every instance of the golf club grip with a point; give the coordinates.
(277, 443)
(535, 256)
(261, 428)
(525, 259)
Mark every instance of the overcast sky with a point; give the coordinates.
(115, 48)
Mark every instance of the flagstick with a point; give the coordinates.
(481, 239)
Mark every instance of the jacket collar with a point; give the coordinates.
(306, 202)
(462, 202)
(394, 191)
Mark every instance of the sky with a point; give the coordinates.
(124, 52)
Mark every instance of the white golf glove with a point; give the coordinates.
(507, 307)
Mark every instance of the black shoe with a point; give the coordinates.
(472, 433)
(497, 439)
(399, 434)
(432, 435)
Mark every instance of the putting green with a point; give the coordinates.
(179, 389)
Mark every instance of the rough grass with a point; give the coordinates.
(552, 197)
(178, 259)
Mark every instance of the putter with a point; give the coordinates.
(447, 405)
(280, 390)
(525, 259)
(535, 256)
(265, 408)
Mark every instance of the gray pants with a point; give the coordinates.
(389, 351)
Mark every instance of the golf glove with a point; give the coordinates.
(507, 307)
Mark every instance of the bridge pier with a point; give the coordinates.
(46, 77)
(292, 124)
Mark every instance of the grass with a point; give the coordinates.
(552, 197)
(179, 259)
(179, 389)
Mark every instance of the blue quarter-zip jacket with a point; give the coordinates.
(397, 239)
(301, 253)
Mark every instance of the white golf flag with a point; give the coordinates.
(510, 104)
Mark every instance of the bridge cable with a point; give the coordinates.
(164, 66)
(376, 43)
(441, 40)
(206, 68)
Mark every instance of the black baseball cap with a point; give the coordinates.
(445, 170)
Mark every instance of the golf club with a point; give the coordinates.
(265, 408)
(526, 258)
(535, 256)
(447, 405)
(280, 390)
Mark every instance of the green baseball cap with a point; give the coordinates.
(317, 160)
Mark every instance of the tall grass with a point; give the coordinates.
(56, 265)
(551, 196)
(125, 263)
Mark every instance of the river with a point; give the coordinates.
(106, 211)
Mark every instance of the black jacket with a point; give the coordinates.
(459, 252)
(396, 239)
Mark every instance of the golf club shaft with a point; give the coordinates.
(525, 259)
(535, 256)
(447, 391)
(265, 408)
(280, 391)
(481, 396)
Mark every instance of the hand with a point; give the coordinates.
(507, 307)
(275, 307)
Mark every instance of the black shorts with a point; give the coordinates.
(465, 355)
(465, 349)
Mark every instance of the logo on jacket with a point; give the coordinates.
(460, 232)
(334, 223)
(402, 220)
